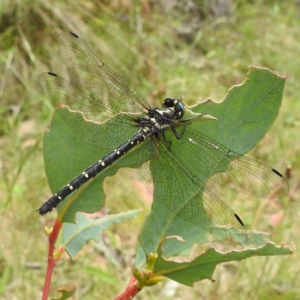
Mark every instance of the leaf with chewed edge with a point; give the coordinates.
(204, 265)
(74, 236)
(243, 118)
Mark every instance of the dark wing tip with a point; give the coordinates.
(75, 35)
(239, 219)
(277, 173)
(52, 74)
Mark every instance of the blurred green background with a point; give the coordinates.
(197, 49)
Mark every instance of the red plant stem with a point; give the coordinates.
(51, 260)
(130, 291)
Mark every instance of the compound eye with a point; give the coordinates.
(169, 102)
(179, 110)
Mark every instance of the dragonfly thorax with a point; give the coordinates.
(159, 119)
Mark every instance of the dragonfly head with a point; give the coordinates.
(176, 106)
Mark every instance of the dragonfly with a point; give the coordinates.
(162, 136)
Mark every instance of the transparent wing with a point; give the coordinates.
(182, 167)
(229, 169)
(60, 91)
(92, 88)
(185, 195)
(87, 72)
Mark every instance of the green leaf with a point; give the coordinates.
(203, 266)
(65, 294)
(245, 115)
(74, 236)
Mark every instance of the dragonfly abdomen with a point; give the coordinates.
(93, 171)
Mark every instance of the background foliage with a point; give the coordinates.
(198, 49)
